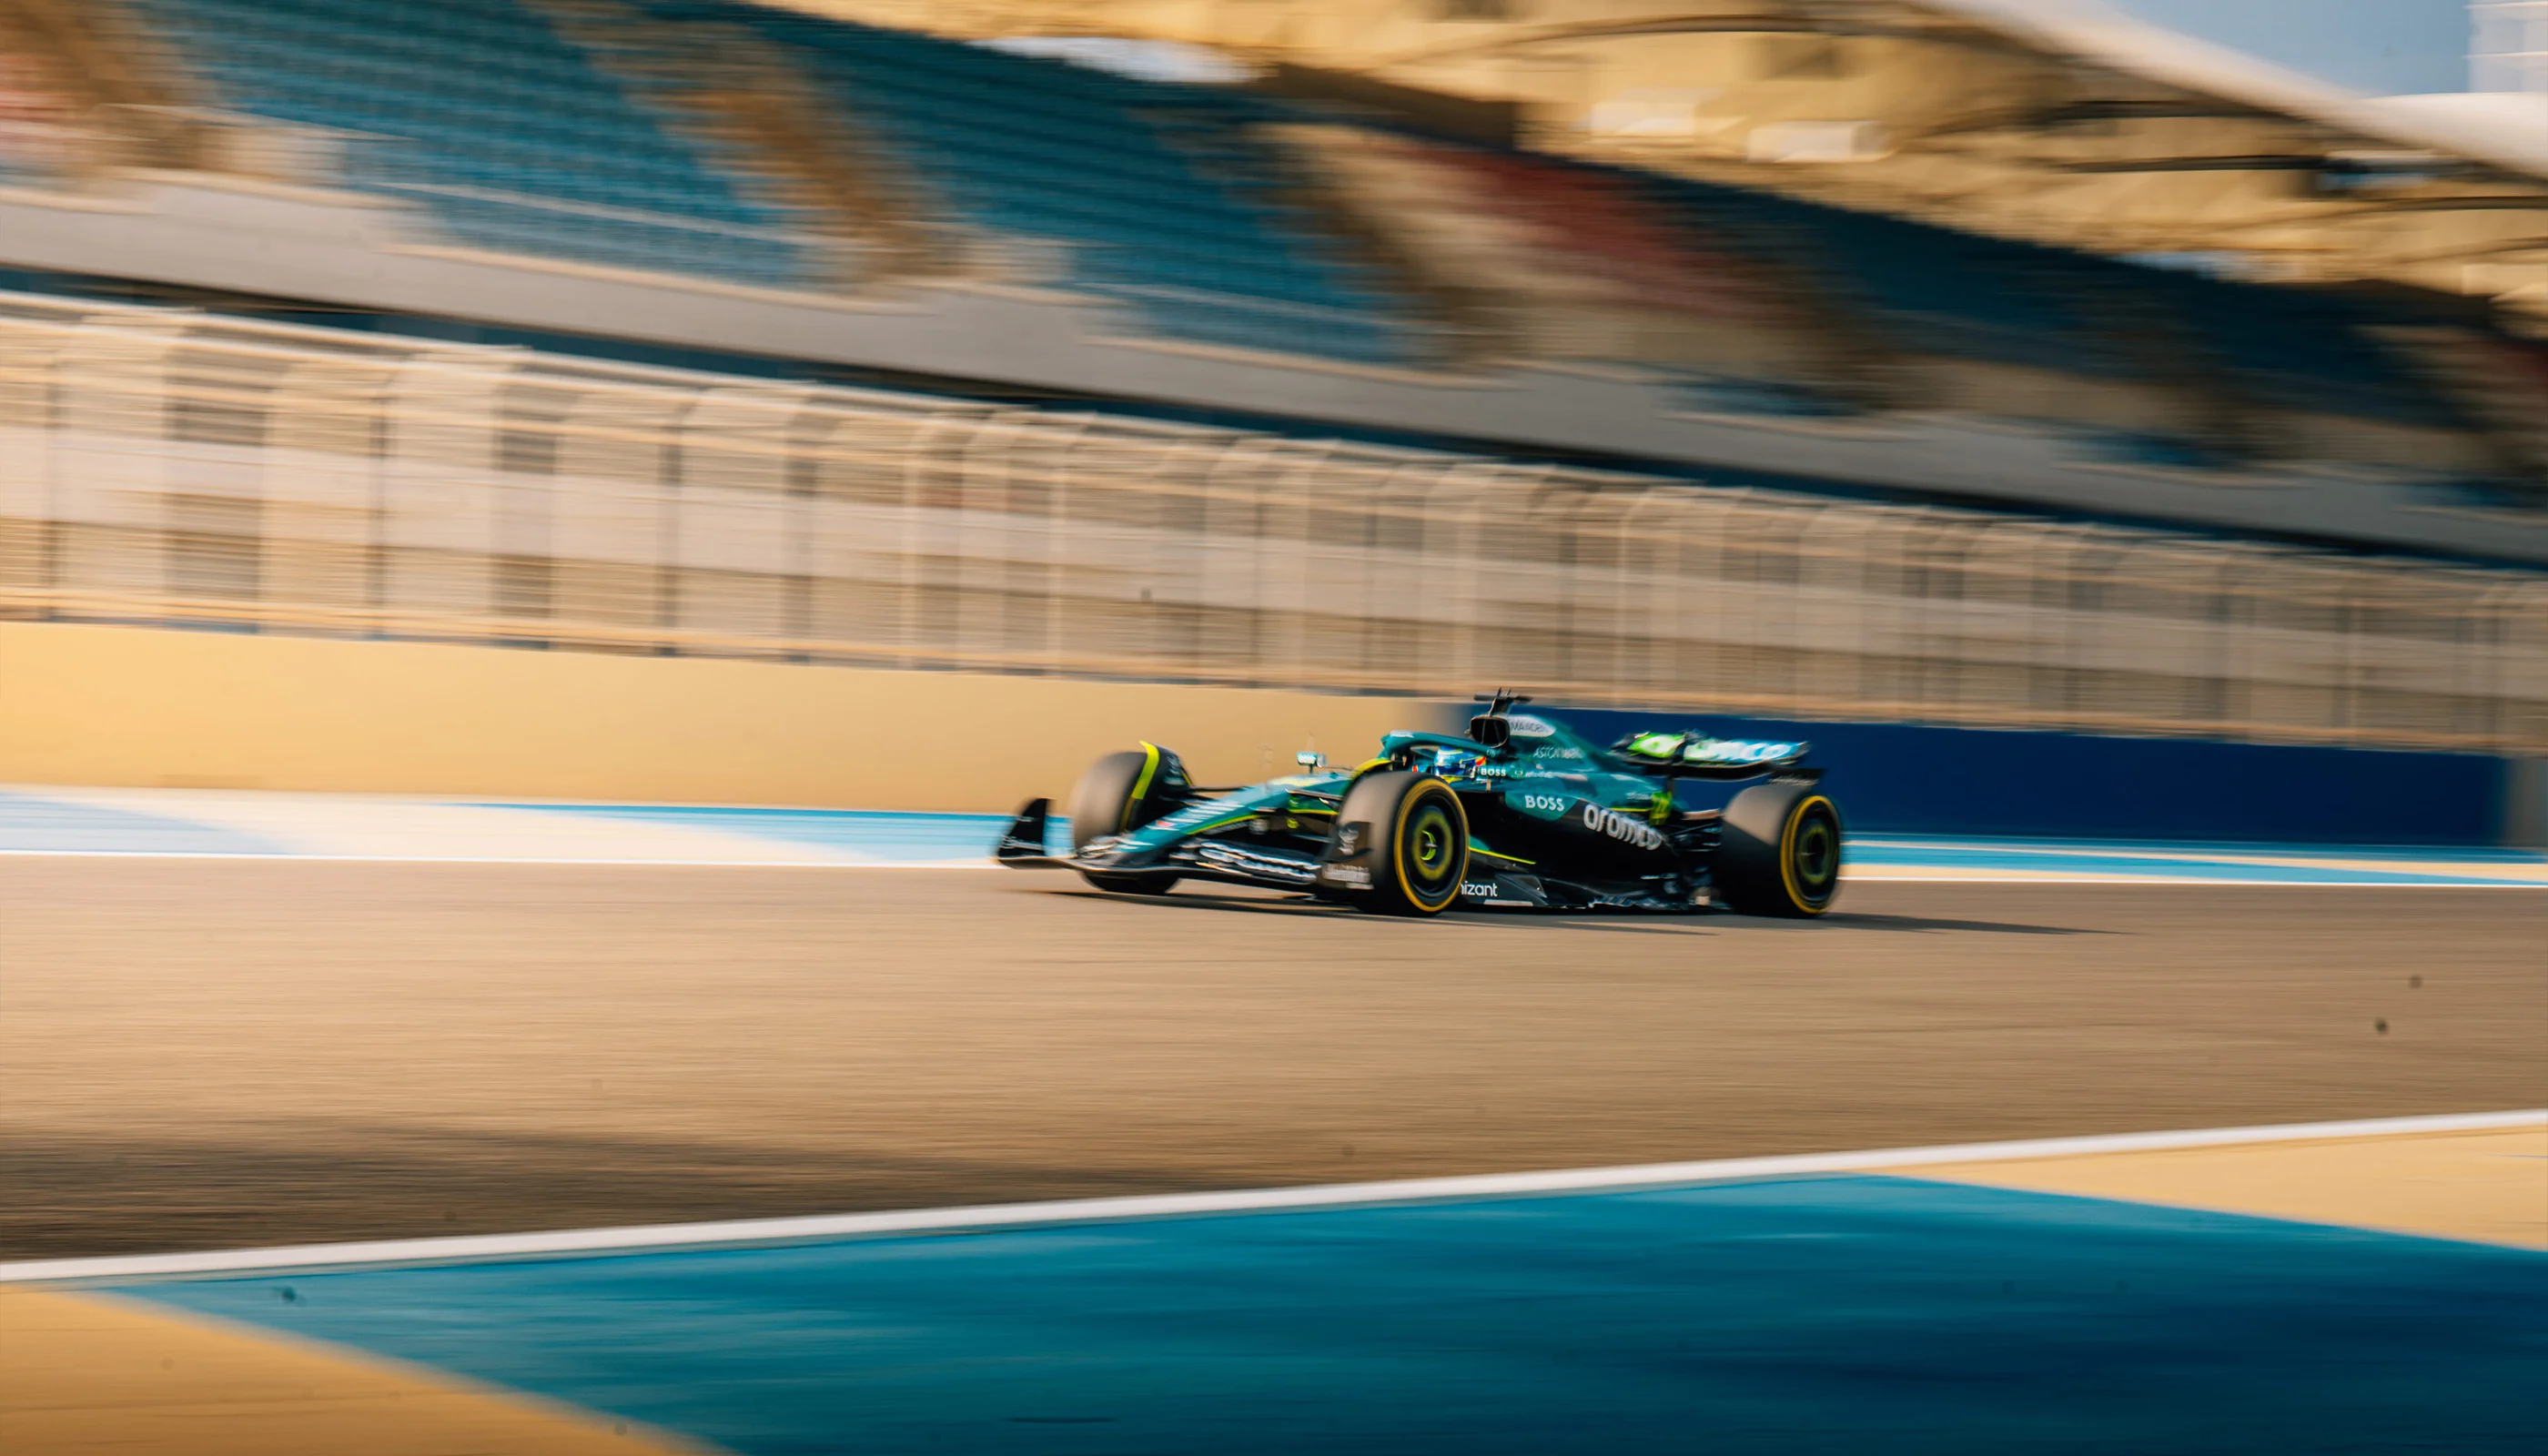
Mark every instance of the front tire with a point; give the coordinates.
(1778, 852)
(1415, 843)
(1119, 793)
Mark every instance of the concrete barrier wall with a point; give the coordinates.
(351, 251)
(1908, 779)
(151, 706)
(395, 492)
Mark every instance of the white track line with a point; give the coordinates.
(1879, 876)
(2020, 878)
(289, 856)
(666, 1238)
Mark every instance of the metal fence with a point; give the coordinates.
(169, 467)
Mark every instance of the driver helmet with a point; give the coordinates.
(1458, 762)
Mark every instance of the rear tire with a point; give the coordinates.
(1778, 851)
(1122, 792)
(1418, 844)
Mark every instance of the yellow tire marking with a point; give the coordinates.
(1398, 861)
(1787, 854)
(1141, 786)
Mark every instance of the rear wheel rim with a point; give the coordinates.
(1815, 859)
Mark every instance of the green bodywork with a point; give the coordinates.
(1546, 771)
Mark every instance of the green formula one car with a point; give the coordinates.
(1521, 813)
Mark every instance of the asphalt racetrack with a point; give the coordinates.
(207, 1054)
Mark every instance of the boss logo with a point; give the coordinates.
(1621, 827)
(1546, 804)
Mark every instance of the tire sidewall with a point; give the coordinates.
(1119, 792)
(1778, 850)
(1418, 846)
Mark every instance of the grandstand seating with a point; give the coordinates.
(1606, 230)
(2295, 350)
(1936, 291)
(1933, 291)
(1212, 214)
(1565, 262)
(37, 118)
(1164, 197)
(509, 135)
(1591, 244)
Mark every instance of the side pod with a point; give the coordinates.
(1021, 846)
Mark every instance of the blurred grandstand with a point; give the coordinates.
(1845, 380)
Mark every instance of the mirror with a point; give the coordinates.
(1308, 760)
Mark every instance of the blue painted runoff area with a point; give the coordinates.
(2225, 862)
(1910, 779)
(1839, 1315)
(32, 822)
(869, 833)
(915, 838)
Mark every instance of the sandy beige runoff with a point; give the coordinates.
(148, 706)
(2482, 1187)
(90, 1373)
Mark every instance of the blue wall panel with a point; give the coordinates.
(1907, 778)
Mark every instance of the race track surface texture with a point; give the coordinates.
(225, 1052)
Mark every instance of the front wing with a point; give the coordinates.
(1205, 850)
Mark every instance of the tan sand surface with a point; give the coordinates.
(91, 1375)
(2483, 1187)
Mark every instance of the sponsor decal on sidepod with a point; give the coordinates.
(1621, 827)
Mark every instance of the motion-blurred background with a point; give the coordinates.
(1961, 363)
(494, 494)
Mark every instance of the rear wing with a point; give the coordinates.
(1684, 755)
